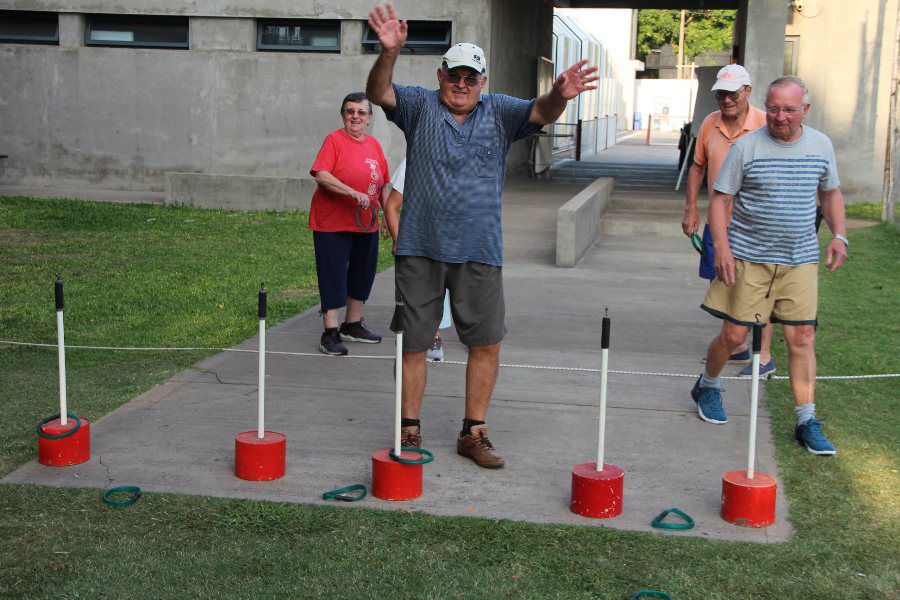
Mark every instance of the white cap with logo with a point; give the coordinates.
(731, 78)
(466, 55)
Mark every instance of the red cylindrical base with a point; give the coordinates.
(259, 459)
(748, 502)
(392, 480)
(71, 450)
(597, 494)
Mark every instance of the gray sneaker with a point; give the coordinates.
(357, 332)
(435, 352)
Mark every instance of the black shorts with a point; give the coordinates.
(346, 263)
(476, 301)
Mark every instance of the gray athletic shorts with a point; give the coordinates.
(476, 301)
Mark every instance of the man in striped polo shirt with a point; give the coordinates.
(767, 260)
(450, 235)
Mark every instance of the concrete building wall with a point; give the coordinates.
(121, 118)
(616, 29)
(845, 57)
(762, 43)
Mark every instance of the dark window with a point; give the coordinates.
(136, 31)
(19, 27)
(424, 37)
(298, 35)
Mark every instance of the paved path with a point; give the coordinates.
(336, 412)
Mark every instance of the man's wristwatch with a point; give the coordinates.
(843, 238)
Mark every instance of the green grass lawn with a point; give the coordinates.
(163, 276)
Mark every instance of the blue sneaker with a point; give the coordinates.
(764, 370)
(740, 357)
(809, 434)
(709, 404)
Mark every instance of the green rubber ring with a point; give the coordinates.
(650, 594)
(688, 524)
(64, 434)
(427, 456)
(133, 489)
(697, 243)
(341, 493)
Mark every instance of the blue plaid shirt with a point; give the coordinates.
(455, 173)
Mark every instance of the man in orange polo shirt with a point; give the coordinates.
(719, 130)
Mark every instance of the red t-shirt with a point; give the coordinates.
(359, 164)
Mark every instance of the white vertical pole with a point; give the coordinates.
(261, 427)
(61, 352)
(754, 398)
(604, 357)
(398, 391)
(604, 361)
(398, 375)
(261, 417)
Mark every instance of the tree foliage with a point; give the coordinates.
(704, 30)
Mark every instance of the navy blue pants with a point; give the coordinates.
(346, 263)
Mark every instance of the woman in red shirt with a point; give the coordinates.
(351, 171)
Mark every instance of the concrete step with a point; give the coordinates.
(643, 203)
(655, 223)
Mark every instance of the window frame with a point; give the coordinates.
(371, 45)
(89, 27)
(31, 39)
(262, 23)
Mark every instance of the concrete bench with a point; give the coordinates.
(578, 221)
(239, 192)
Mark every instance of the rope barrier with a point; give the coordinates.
(448, 362)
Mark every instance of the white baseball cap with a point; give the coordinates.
(731, 78)
(466, 55)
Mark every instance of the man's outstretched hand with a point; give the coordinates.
(391, 31)
(575, 80)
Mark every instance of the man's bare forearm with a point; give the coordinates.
(547, 108)
(379, 88)
(694, 180)
(717, 218)
(833, 211)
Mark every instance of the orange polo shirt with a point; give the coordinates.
(713, 142)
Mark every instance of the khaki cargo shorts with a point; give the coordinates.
(763, 292)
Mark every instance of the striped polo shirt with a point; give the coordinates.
(775, 185)
(455, 173)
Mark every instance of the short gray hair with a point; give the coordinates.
(788, 79)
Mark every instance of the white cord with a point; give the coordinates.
(448, 362)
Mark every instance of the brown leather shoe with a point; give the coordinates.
(411, 436)
(478, 447)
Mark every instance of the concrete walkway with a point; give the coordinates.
(179, 437)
